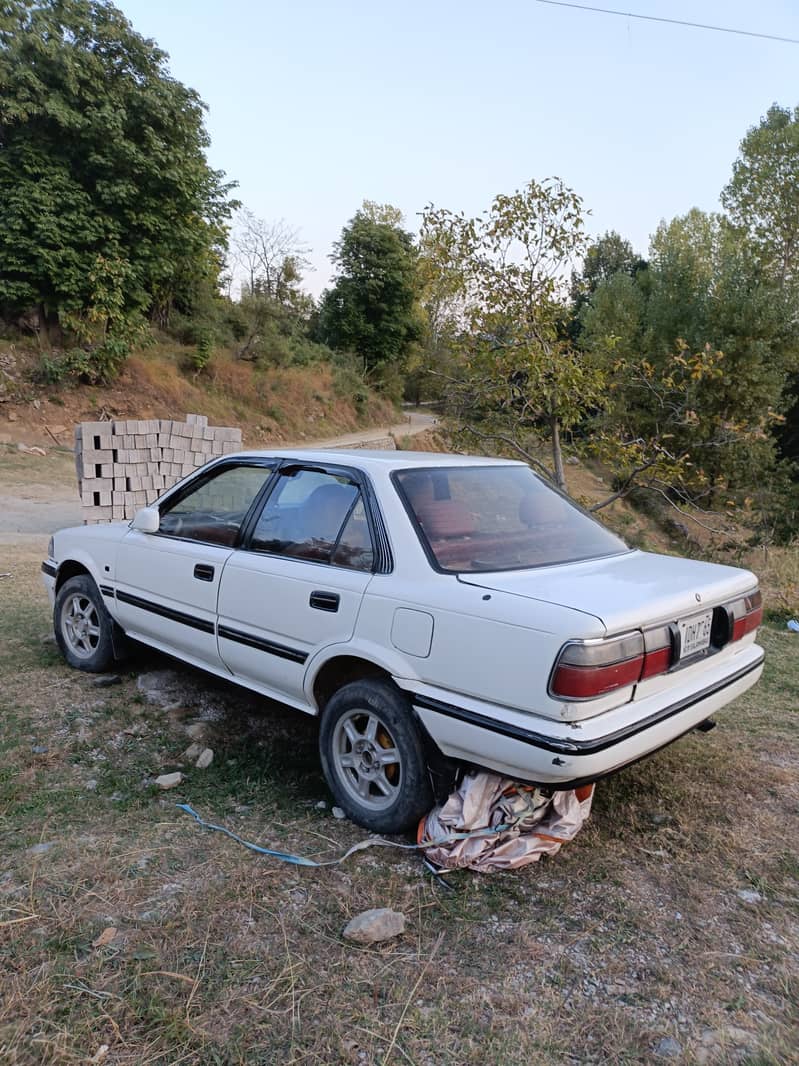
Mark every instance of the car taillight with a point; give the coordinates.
(747, 614)
(586, 671)
(658, 651)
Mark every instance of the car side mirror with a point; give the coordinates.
(147, 520)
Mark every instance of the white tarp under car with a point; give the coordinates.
(491, 823)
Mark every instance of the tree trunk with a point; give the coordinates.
(557, 453)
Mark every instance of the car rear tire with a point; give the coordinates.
(373, 757)
(83, 627)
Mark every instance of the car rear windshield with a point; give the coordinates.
(485, 518)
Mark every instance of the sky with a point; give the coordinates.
(314, 107)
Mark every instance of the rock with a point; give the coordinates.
(91, 785)
(748, 895)
(338, 813)
(39, 749)
(138, 729)
(572, 460)
(12, 416)
(205, 759)
(321, 805)
(106, 680)
(30, 449)
(197, 730)
(668, 1048)
(40, 849)
(169, 780)
(370, 927)
(714, 1041)
(192, 752)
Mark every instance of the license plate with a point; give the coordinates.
(695, 634)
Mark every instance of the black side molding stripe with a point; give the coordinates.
(269, 646)
(166, 612)
(106, 590)
(50, 570)
(580, 747)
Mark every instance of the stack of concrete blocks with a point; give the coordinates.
(127, 464)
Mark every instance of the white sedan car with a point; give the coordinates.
(433, 610)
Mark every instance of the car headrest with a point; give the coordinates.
(445, 518)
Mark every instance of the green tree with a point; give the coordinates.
(762, 197)
(371, 309)
(609, 255)
(699, 348)
(104, 185)
(518, 375)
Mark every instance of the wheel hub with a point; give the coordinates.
(368, 761)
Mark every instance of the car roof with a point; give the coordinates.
(379, 460)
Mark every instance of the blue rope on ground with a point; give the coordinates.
(300, 860)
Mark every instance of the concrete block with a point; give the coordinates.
(229, 446)
(97, 455)
(105, 498)
(91, 429)
(120, 484)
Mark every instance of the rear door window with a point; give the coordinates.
(317, 516)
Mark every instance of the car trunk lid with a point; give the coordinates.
(627, 591)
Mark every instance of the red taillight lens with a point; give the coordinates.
(747, 614)
(658, 652)
(585, 671)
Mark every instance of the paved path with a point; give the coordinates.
(38, 509)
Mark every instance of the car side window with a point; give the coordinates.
(315, 516)
(215, 509)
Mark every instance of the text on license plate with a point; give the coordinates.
(695, 634)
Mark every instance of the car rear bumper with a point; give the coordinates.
(561, 755)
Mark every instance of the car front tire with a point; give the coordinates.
(83, 627)
(373, 757)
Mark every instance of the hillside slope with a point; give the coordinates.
(270, 404)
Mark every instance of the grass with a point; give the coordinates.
(212, 955)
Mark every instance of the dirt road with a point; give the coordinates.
(38, 494)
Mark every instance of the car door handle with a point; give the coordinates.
(204, 572)
(325, 601)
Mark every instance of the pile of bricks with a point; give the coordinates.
(127, 464)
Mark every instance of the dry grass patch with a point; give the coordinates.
(124, 924)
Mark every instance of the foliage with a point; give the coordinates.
(371, 309)
(761, 197)
(608, 257)
(506, 269)
(699, 348)
(108, 209)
